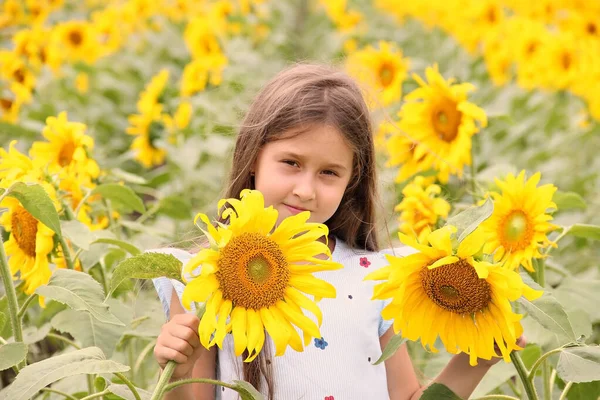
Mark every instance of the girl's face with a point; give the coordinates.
(307, 171)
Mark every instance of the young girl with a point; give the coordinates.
(307, 144)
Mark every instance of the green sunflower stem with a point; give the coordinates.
(163, 381)
(66, 252)
(11, 297)
(523, 375)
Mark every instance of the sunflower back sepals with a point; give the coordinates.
(252, 276)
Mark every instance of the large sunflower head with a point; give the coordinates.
(441, 121)
(253, 276)
(517, 229)
(440, 291)
(67, 145)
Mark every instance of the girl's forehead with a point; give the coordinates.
(318, 142)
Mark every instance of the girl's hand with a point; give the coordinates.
(178, 340)
(521, 342)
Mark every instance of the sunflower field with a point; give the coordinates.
(117, 124)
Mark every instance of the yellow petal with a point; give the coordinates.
(443, 261)
(278, 332)
(238, 327)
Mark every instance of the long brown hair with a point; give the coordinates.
(298, 98)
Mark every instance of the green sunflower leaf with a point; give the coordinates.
(122, 195)
(390, 349)
(550, 314)
(87, 330)
(128, 247)
(78, 233)
(247, 391)
(11, 354)
(468, 220)
(579, 364)
(124, 392)
(568, 201)
(146, 266)
(437, 391)
(79, 291)
(36, 201)
(36, 376)
(585, 231)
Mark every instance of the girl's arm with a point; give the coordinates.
(403, 384)
(204, 367)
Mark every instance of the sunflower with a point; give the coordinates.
(149, 129)
(16, 166)
(440, 120)
(401, 151)
(29, 244)
(421, 207)
(442, 292)
(253, 275)
(517, 229)
(78, 41)
(67, 144)
(383, 70)
(152, 94)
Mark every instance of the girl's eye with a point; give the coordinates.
(290, 162)
(329, 172)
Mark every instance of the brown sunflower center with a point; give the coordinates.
(516, 231)
(19, 75)
(446, 120)
(253, 272)
(386, 74)
(75, 37)
(65, 156)
(566, 60)
(24, 230)
(6, 104)
(456, 287)
(592, 28)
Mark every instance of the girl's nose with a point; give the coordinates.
(304, 189)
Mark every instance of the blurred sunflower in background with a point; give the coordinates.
(518, 227)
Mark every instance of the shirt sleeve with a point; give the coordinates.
(403, 251)
(165, 286)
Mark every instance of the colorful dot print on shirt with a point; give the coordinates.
(321, 343)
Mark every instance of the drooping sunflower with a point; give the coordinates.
(421, 207)
(442, 292)
(67, 144)
(29, 244)
(441, 121)
(383, 70)
(253, 275)
(517, 229)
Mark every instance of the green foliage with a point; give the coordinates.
(579, 364)
(79, 291)
(437, 391)
(87, 330)
(147, 266)
(247, 391)
(550, 314)
(36, 376)
(568, 201)
(122, 196)
(390, 349)
(468, 220)
(11, 354)
(585, 231)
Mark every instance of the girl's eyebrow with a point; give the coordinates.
(300, 157)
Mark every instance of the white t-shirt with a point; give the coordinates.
(337, 366)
